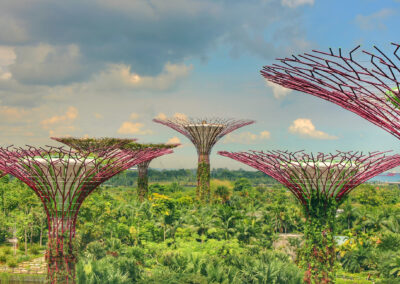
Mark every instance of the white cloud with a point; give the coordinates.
(161, 116)
(246, 137)
(7, 57)
(47, 64)
(120, 76)
(129, 127)
(180, 116)
(134, 115)
(374, 21)
(61, 124)
(278, 91)
(173, 140)
(70, 115)
(295, 3)
(304, 127)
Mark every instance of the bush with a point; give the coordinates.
(3, 258)
(12, 262)
(242, 184)
(34, 249)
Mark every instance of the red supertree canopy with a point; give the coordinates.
(204, 132)
(332, 175)
(366, 83)
(63, 179)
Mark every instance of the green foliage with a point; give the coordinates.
(318, 254)
(242, 184)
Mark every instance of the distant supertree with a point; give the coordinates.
(365, 83)
(320, 182)
(143, 167)
(203, 133)
(97, 145)
(63, 179)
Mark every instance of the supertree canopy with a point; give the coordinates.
(203, 133)
(63, 179)
(95, 145)
(366, 83)
(320, 182)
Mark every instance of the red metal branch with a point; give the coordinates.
(366, 83)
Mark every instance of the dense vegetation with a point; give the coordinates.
(238, 238)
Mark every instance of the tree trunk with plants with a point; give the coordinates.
(318, 254)
(143, 180)
(61, 256)
(203, 178)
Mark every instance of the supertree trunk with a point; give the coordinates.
(61, 256)
(143, 180)
(203, 178)
(318, 254)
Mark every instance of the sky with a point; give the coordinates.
(102, 68)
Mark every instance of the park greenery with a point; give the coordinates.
(250, 231)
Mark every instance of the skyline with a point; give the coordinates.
(101, 69)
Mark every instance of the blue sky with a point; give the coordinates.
(106, 68)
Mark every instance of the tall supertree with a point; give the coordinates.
(366, 83)
(203, 133)
(63, 178)
(320, 182)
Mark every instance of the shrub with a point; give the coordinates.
(34, 249)
(12, 262)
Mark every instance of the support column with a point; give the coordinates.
(318, 255)
(60, 256)
(203, 178)
(143, 180)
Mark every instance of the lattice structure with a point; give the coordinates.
(94, 145)
(63, 179)
(143, 167)
(366, 83)
(203, 133)
(320, 182)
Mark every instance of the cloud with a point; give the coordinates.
(7, 57)
(134, 115)
(180, 116)
(278, 91)
(161, 116)
(142, 34)
(374, 21)
(129, 127)
(61, 125)
(70, 115)
(45, 64)
(173, 140)
(13, 114)
(296, 3)
(119, 76)
(305, 128)
(98, 115)
(246, 137)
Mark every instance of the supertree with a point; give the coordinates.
(143, 167)
(62, 179)
(203, 133)
(320, 182)
(99, 144)
(366, 83)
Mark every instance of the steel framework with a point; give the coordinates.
(366, 83)
(204, 134)
(320, 182)
(63, 178)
